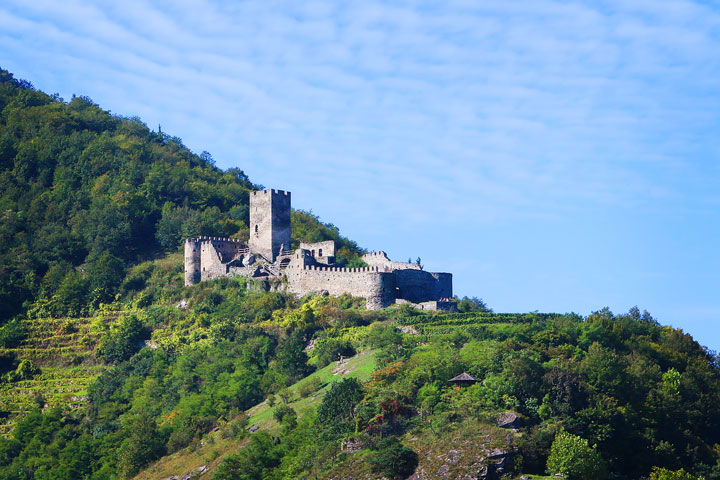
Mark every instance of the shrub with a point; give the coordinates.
(12, 333)
(120, 344)
(337, 411)
(392, 460)
(25, 371)
(255, 461)
(285, 415)
(309, 387)
(574, 458)
(328, 351)
(665, 474)
(236, 428)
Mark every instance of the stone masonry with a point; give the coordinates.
(311, 268)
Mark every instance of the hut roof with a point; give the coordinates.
(463, 377)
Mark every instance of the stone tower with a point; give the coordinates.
(192, 261)
(269, 222)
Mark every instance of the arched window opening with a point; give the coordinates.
(320, 252)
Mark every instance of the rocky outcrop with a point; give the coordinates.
(468, 462)
(508, 420)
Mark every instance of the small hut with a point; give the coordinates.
(462, 380)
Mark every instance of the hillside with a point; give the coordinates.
(111, 368)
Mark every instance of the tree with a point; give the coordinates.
(285, 415)
(572, 457)
(336, 413)
(254, 462)
(328, 350)
(392, 460)
(12, 333)
(472, 304)
(291, 358)
(106, 275)
(665, 474)
(143, 445)
(120, 344)
(169, 227)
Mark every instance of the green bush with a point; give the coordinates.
(665, 474)
(26, 370)
(285, 415)
(391, 459)
(336, 413)
(12, 333)
(330, 349)
(574, 458)
(124, 341)
(309, 387)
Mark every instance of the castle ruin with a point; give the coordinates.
(311, 267)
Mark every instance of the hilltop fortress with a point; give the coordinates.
(311, 267)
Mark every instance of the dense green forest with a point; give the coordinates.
(226, 381)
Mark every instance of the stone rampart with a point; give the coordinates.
(367, 282)
(380, 259)
(420, 286)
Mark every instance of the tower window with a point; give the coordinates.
(256, 229)
(320, 252)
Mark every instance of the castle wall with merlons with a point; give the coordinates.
(207, 257)
(381, 260)
(378, 287)
(374, 286)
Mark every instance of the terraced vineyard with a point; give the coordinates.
(473, 322)
(64, 351)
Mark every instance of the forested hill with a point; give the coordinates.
(85, 194)
(112, 369)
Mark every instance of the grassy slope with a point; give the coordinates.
(213, 447)
(432, 450)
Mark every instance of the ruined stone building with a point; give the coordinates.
(311, 267)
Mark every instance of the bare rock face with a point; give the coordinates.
(352, 445)
(472, 461)
(508, 420)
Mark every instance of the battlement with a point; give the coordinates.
(376, 254)
(272, 191)
(214, 239)
(320, 268)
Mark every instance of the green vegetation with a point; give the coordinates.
(85, 194)
(572, 457)
(110, 368)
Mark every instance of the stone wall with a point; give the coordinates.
(421, 286)
(378, 287)
(366, 282)
(320, 249)
(209, 257)
(323, 252)
(381, 260)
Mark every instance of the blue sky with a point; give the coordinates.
(554, 155)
